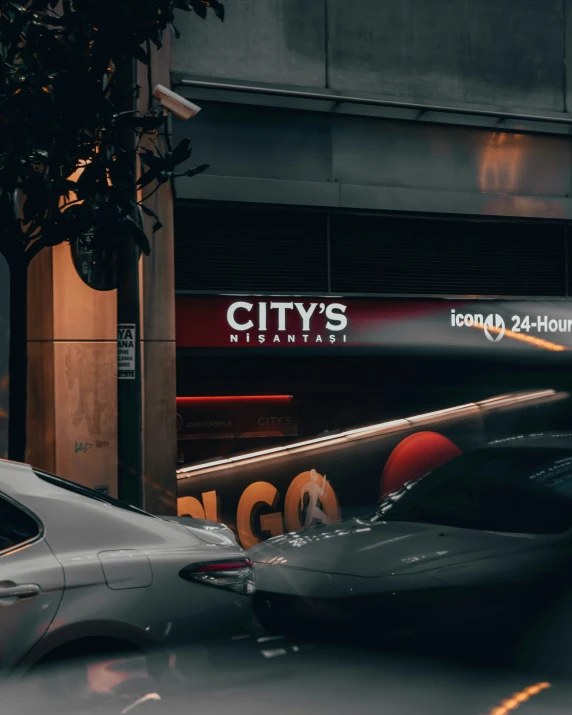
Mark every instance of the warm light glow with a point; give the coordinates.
(446, 412)
(501, 163)
(530, 339)
(74, 178)
(518, 698)
(363, 432)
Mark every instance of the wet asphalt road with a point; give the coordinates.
(260, 674)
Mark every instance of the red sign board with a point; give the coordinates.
(289, 322)
(236, 417)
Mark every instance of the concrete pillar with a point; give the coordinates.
(72, 394)
(158, 333)
(72, 375)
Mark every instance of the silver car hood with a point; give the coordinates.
(211, 532)
(362, 547)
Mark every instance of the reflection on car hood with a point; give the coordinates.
(211, 532)
(362, 547)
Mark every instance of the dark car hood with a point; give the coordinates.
(363, 547)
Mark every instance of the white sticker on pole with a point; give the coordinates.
(126, 351)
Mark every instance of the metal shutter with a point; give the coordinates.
(375, 254)
(249, 249)
(245, 249)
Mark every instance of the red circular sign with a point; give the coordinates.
(414, 456)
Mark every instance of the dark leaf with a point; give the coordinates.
(55, 235)
(180, 153)
(150, 159)
(218, 8)
(89, 179)
(195, 170)
(60, 69)
(199, 7)
(139, 236)
(28, 210)
(140, 55)
(148, 178)
(80, 217)
(51, 20)
(149, 212)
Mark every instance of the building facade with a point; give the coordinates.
(379, 157)
(366, 151)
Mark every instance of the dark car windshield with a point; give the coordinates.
(520, 490)
(89, 493)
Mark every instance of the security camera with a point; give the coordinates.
(174, 103)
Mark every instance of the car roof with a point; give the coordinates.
(92, 521)
(538, 440)
(17, 477)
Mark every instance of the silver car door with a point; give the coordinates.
(31, 583)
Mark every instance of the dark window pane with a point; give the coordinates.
(16, 526)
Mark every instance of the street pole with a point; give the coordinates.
(129, 392)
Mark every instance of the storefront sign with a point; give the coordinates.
(236, 417)
(126, 351)
(285, 317)
(226, 322)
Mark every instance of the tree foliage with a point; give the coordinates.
(61, 62)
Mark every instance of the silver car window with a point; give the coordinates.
(16, 525)
(88, 493)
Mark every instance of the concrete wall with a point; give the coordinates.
(72, 373)
(274, 41)
(280, 156)
(504, 54)
(507, 53)
(72, 395)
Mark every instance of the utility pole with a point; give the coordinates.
(129, 392)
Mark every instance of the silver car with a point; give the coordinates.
(82, 574)
(481, 543)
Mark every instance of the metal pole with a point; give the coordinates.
(129, 392)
